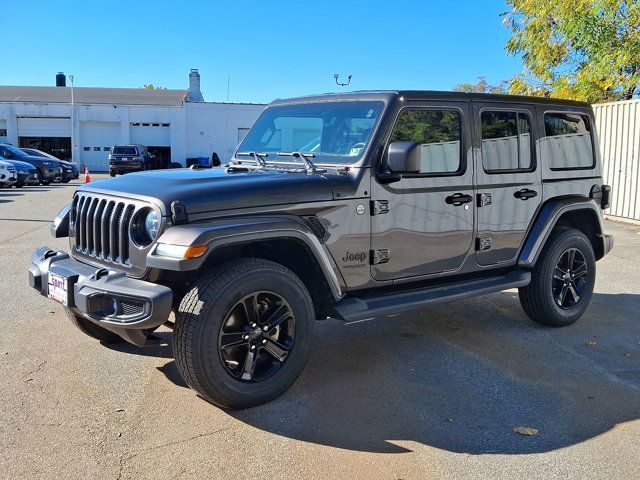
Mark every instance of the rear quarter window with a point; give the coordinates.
(568, 141)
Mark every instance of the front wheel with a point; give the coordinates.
(562, 280)
(112, 174)
(243, 333)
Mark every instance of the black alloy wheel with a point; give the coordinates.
(243, 332)
(562, 280)
(257, 336)
(569, 278)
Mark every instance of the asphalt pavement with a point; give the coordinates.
(427, 395)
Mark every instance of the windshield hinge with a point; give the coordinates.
(178, 213)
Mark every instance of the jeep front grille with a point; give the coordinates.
(101, 227)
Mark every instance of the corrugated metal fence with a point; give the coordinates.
(618, 125)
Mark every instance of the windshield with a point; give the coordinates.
(336, 132)
(125, 151)
(16, 152)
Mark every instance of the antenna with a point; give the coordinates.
(342, 85)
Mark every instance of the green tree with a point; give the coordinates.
(580, 49)
(480, 87)
(150, 86)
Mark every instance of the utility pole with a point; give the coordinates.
(342, 85)
(73, 121)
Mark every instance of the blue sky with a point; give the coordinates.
(269, 48)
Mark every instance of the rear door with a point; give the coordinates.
(423, 223)
(508, 179)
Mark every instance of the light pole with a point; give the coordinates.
(342, 85)
(73, 121)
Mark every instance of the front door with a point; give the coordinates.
(423, 223)
(509, 187)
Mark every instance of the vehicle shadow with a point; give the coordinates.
(461, 377)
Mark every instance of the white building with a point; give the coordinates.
(174, 124)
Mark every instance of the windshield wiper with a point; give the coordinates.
(304, 156)
(258, 157)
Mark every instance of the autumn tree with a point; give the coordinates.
(151, 86)
(581, 49)
(481, 86)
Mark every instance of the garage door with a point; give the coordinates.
(96, 140)
(44, 127)
(151, 134)
(3, 131)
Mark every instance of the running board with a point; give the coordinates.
(354, 309)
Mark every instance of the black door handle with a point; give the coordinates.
(525, 194)
(458, 199)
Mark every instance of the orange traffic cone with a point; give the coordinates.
(87, 178)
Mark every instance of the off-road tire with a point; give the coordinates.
(91, 329)
(200, 318)
(537, 298)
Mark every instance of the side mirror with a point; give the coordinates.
(404, 157)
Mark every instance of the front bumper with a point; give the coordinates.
(126, 306)
(27, 179)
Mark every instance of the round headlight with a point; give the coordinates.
(145, 227)
(152, 224)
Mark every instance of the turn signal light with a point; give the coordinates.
(195, 251)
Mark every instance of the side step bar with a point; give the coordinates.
(353, 309)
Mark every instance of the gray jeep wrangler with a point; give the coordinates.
(350, 206)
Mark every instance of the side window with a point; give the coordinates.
(438, 131)
(506, 141)
(568, 143)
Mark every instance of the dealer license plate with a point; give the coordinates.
(58, 288)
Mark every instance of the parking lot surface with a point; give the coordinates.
(433, 394)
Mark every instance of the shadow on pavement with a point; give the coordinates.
(460, 377)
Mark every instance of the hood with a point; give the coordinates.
(22, 165)
(33, 160)
(212, 189)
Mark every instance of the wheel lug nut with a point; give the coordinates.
(253, 347)
(246, 337)
(264, 341)
(265, 328)
(254, 325)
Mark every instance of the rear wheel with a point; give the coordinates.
(112, 174)
(91, 329)
(243, 333)
(562, 280)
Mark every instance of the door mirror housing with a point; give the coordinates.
(404, 157)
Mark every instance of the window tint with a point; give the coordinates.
(438, 131)
(125, 151)
(506, 141)
(568, 141)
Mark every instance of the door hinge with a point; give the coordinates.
(379, 256)
(379, 207)
(484, 199)
(483, 243)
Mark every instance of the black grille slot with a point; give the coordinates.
(316, 227)
(128, 308)
(102, 227)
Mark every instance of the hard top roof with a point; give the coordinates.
(428, 95)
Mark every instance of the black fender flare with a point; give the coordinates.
(229, 231)
(547, 218)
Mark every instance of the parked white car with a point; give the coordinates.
(7, 174)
